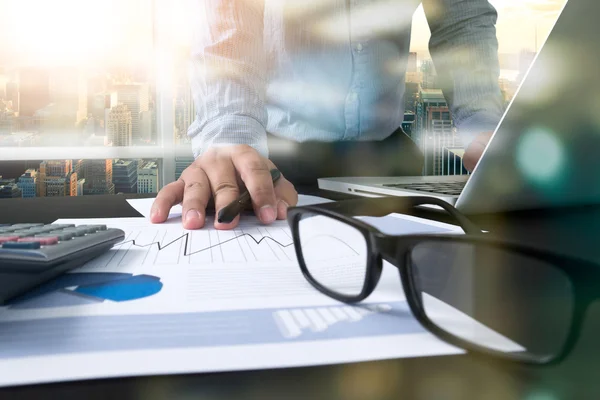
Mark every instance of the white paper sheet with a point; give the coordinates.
(144, 206)
(203, 301)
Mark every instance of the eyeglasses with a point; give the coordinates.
(474, 291)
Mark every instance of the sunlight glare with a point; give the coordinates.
(540, 155)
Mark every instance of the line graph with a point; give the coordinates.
(247, 243)
(186, 236)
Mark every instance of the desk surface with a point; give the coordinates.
(448, 377)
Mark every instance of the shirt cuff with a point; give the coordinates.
(229, 130)
(476, 124)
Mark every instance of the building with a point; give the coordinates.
(119, 126)
(56, 178)
(137, 99)
(434, 130)
(34, 90)
(429, 79)
(9, 191)
(148, 181)
(125, 176)
(60, 186)
(147, 126)
(181, 163)
(98, 177)
(408, 123)
(411, 95)
(28, 183)
(101, 103)
(412, 62)
(80, 184)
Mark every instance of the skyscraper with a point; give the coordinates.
(429, 75)
(434, 130)
(125, 175)
(412, 62)
(119, 126)
(34, 90)
(148, 178)
(56, 178)
(10, 190)
(137, 99)
(28, 183)
(98, 177)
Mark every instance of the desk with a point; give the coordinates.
(450, 377)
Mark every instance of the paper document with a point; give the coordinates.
(143, 206)
(169, 301)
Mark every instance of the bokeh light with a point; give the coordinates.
(540, 156)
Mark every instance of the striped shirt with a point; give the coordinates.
(333, 70)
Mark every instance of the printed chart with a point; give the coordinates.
(87, 288)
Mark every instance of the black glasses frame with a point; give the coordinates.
(396, 250)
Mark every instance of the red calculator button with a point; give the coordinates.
(44, 241)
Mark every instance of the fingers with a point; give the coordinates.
(196, 193)
(223, 183)
(255, 173)
(287, 196)
(166, 198)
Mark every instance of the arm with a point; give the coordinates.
(464, 49)
(228, 76)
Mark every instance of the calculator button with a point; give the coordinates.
(61, 226)
(21, 245)
(4, 239)
(98, 227)
(75, 231)
(47, 241)
(23, 226)
(88, 228)
(61, 236)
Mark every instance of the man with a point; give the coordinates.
(328, 71)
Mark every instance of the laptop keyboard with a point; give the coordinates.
(448, 188)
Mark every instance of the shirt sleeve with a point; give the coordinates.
(227, 75)
(464, 49)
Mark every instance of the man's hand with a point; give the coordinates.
(218, 173)
(475, 150)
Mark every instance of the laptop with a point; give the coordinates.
(545, 151)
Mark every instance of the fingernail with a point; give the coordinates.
(153, 213)
(282, 208)
(267, 214)
(191, 216)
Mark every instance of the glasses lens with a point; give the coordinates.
(335, 253)
(494, 297)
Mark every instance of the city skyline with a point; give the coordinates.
(114, 104)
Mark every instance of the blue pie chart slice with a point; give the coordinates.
(87, 288)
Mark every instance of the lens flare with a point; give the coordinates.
(540, 155)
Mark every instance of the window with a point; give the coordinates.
(108, 80)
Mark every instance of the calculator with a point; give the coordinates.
(31, 254)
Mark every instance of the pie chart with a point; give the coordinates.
(75, 289)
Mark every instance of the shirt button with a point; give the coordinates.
(359, 47)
